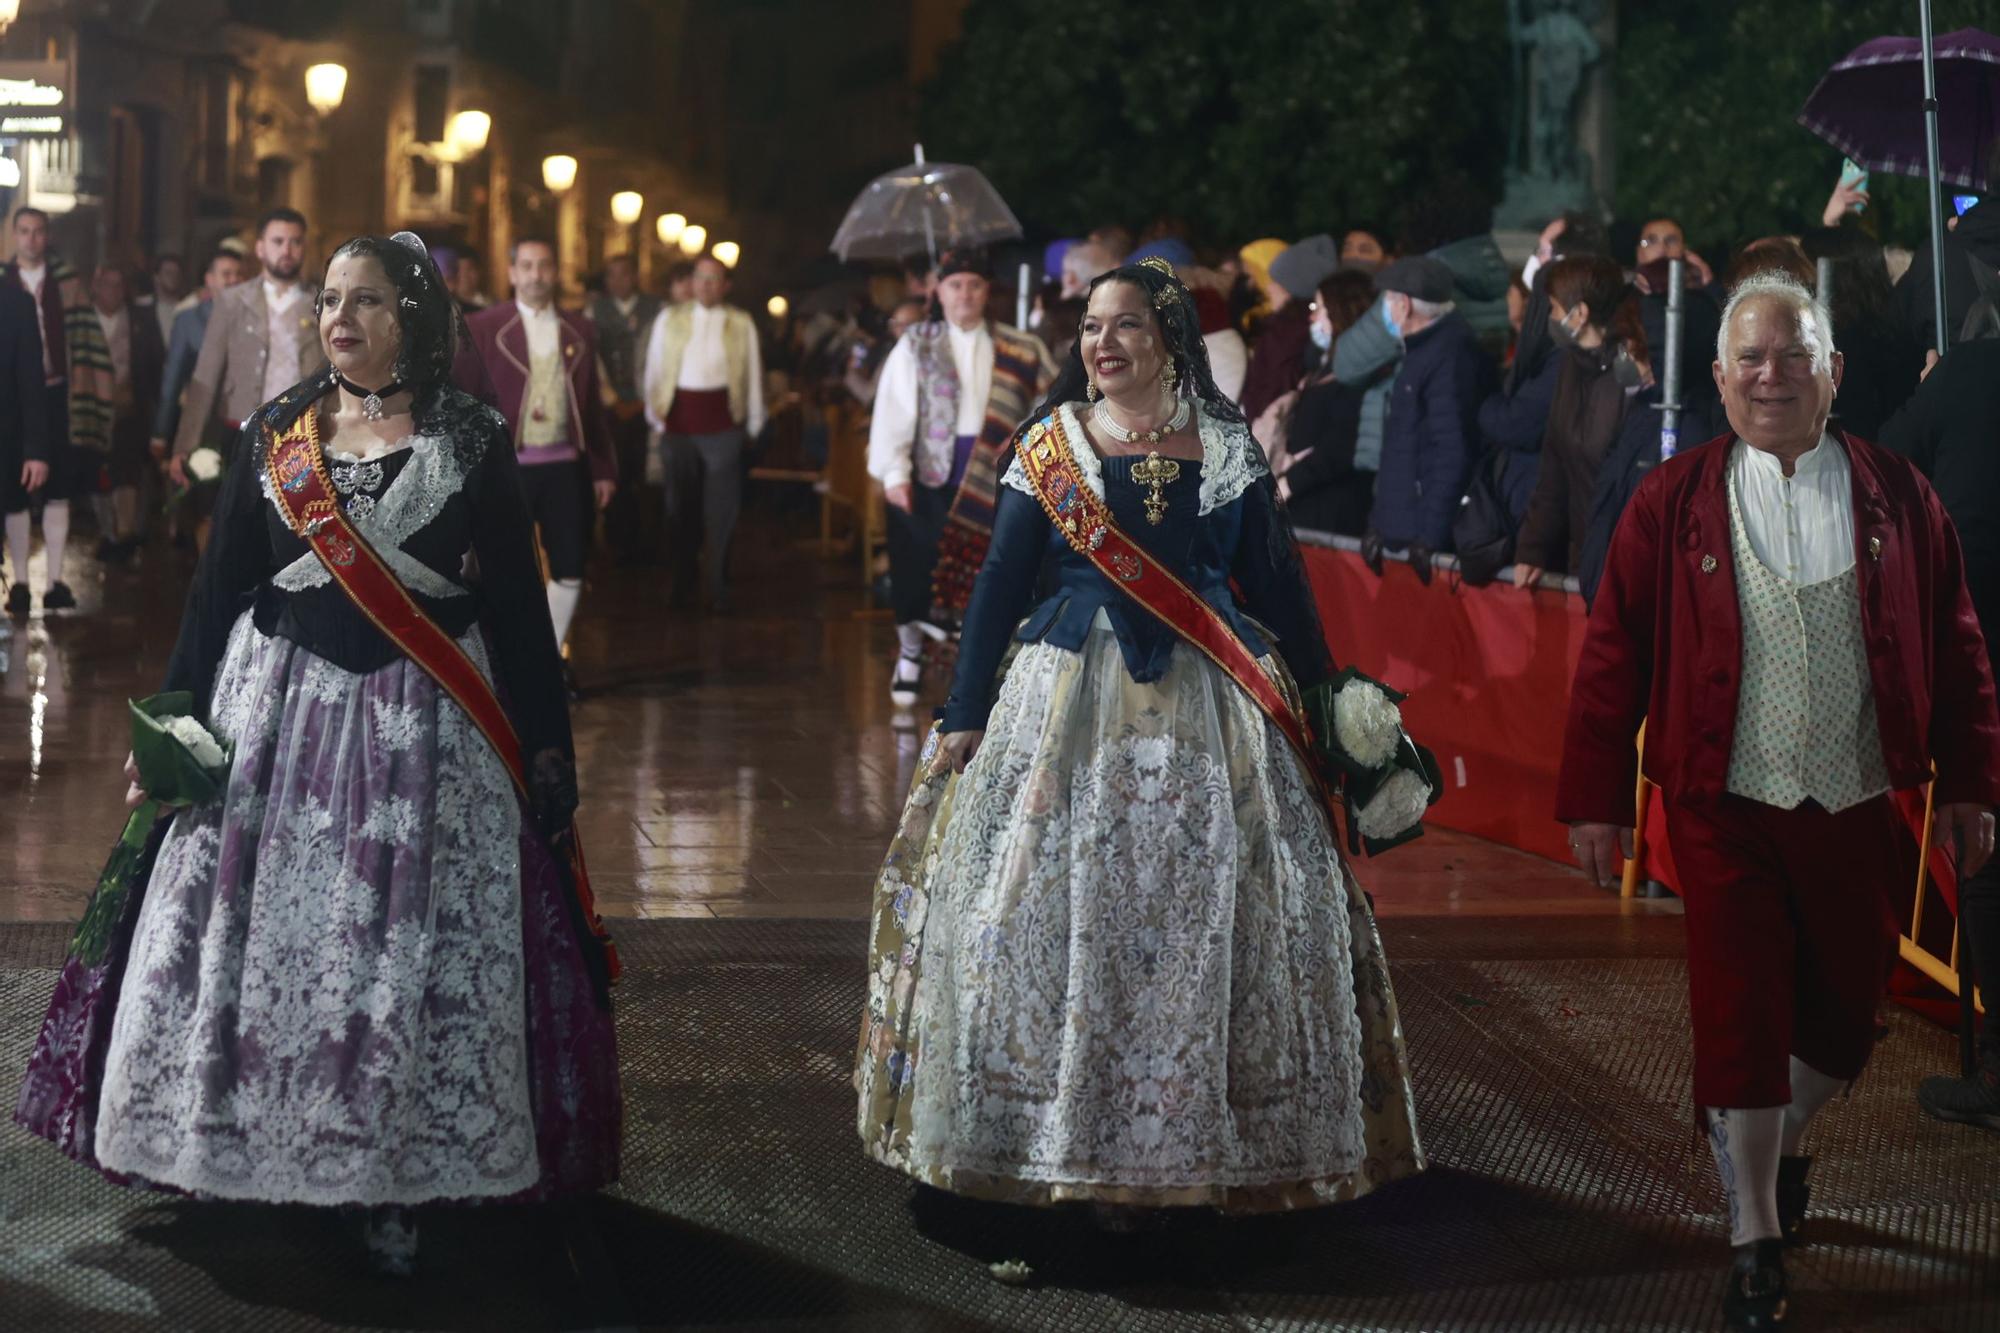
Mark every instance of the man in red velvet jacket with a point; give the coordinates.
(542, 364)
(1787, 613)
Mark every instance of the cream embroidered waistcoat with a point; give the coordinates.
(545, 402)
(1805, 715)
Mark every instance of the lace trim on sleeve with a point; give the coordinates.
(1231, 462)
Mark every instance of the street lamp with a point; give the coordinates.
(694, 240)
(670, 226)
(10, 170)
(777, 305)
(627, 206)
(9, 11)
(728, 252)
(559, 171)
(467, 132)
(326, 85)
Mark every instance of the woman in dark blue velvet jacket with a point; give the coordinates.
(1118, 958)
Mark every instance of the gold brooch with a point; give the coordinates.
(1155, 472)
(1708, 564)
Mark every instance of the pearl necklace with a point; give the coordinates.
(1183, 410)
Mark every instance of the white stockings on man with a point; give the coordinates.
(1747, 1144)
(55, 538)
(18, 535)
(563, 597)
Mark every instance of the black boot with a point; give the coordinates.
(1756, 1297)
(1793, 1196)
(1965, 1101)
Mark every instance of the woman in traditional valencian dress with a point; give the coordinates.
(1118, 957)
(367, 973)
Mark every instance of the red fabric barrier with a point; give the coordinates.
(1488, 673)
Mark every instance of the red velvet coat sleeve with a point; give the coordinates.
(1614, 674)
(597, 446)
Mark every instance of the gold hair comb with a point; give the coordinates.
(1171, 293)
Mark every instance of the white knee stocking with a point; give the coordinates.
(910, 639)
(55, 538)
(563, 597)
(18, 535)
(1745, 1144)
(1810, 1091)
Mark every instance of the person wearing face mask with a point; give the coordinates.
(1119, 958)
(367, 974)
(1430, 420)
(951, 393)
(1603, 360)
(1324, 479)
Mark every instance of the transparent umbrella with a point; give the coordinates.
(921, 207)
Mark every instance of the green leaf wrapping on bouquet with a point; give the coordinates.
(1319, 710)
(114, 886)
(168, 772)
(1410, 757)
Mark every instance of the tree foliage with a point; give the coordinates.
(1708, 94)
(1285, 118)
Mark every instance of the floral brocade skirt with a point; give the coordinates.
(352, 979)
(1120, 959)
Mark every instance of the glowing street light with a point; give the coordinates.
(9, 11)
(728, 252)
(10, 173)
(326, 85)
(777, 305)
(626, 206)
(670, 226)
(559, 171)
(467, 132)
(694, 240)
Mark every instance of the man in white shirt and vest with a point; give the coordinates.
(948, 387)
(542, 363)
(1786, 610)
(262, 339)
(704, 380)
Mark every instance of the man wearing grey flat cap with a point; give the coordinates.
(1429, 429)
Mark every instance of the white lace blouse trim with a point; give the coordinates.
(412, 500)
(1230, 459)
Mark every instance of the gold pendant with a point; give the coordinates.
(1156, 472)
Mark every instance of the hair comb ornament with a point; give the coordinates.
(1173, 291)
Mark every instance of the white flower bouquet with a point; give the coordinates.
(204, 464)
(1386, 780)
(180, 763)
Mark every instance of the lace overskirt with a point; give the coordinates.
(1121, 959)
(324, 999)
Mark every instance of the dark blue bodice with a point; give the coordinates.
(1233, 542)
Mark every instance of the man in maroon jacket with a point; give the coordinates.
(1787, 612)
(542, 364)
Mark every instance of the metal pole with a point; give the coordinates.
(1670, 373)
(930, 234)
(1823, 292)
(1021, 297)
(1931, 158)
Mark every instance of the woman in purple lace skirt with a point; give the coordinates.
(360, 977)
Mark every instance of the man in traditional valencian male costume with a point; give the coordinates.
(951, 394)
(1786, 610)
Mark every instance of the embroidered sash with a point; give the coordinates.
(300, 482)
(1086, 523)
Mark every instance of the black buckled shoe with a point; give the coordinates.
(1793, 1196)
(1965, 1101)
(1756, 1297)
(58, 598)
(19, 601)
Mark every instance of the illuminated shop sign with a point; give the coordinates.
(34, 98)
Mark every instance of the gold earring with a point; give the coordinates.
(1169, 377)
(1090, 389)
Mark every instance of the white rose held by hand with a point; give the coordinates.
(204, 464)
(1397, 806)
(207, 751)
(1367, 725)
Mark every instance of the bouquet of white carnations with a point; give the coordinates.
(1386, 779)
(180, 764)
(203, 469)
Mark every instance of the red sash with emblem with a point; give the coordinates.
(1086, 524)
(299, 480)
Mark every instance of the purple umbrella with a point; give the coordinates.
(1870, 105)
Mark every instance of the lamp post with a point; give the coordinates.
(778, 306)
(326, 86)
(467, 132)
(694, 239)
(558, 172)
(728, 252)
(669, 227)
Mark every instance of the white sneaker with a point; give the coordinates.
(905, 680)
